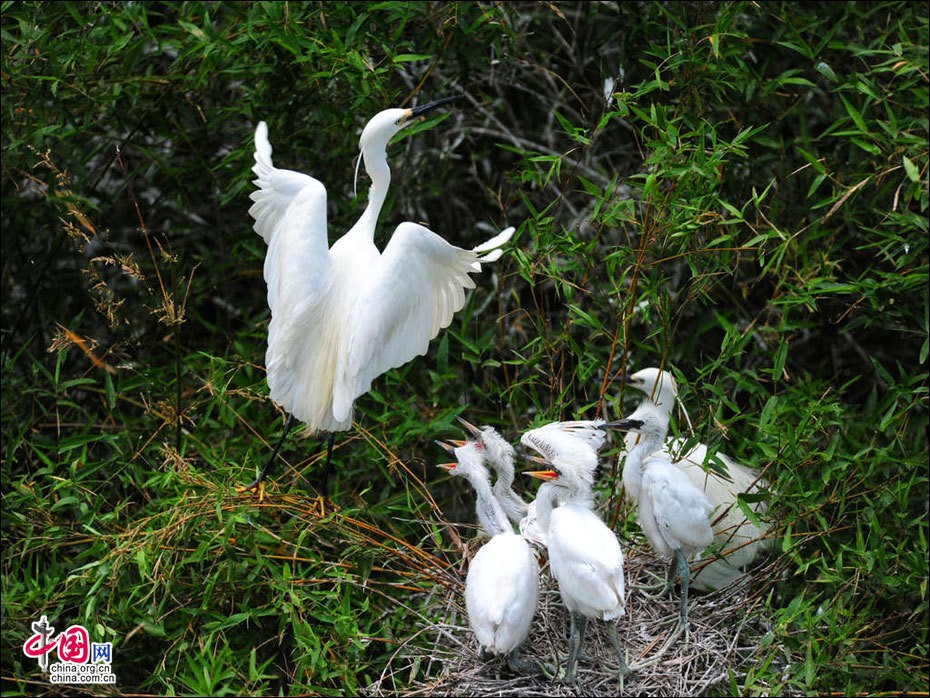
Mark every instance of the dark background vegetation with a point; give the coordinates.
(745, 202)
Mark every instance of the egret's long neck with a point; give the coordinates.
(504, 474)
(503, 486)
(490, 514)
(376, 166)
(633, 470)
(545, 502)
(664, 399)
(648, 444)
(582, 495)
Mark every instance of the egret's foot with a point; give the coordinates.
(258, 486)
(676, 622)
(656, 655)
(660, 584)
(570, 674)
(682, 629)
(555, 672)
(659, 578)
(550, 671)
(658, 589)
(664, 590)
(528, 666)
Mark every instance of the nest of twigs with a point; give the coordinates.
(725, 628)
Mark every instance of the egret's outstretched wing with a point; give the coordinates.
(290, 215)
(418, 285)
(276, 188)
(590, 431)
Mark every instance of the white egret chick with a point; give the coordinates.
(737, 540)
(499, 454)
(673, 513)
(569, 440)
(343, 315)
(584, 554)
(591, 432)
(502, 584)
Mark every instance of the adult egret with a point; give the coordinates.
(673, 513)
(343, 315)
(502, 584)
(584, 554)
(737, 540)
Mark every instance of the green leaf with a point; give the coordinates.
(824, 69)
(410, 57)
(854, 115)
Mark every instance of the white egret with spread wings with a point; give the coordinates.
(343, 315)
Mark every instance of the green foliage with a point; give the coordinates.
(745, 201)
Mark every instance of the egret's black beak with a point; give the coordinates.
(430, 106)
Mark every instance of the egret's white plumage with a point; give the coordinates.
(673, 513)
(575, 440)
(502, 585)
(584, 554)
(737, 540)
(499, 454)
(343, 315)
(568, 441)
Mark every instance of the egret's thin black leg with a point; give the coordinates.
(261, 476)
(326, 467)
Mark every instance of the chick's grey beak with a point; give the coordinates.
(468, 425)
(623, 424)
